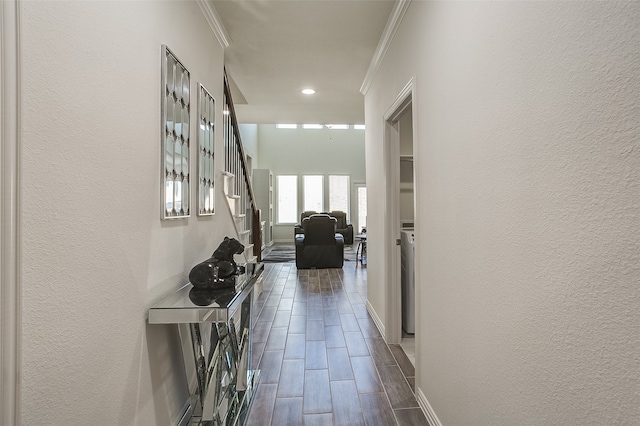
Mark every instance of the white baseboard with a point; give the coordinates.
(187, 411)
(376, 319)
(426, 408)
(287, 241)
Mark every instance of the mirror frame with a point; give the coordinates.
(172, 172)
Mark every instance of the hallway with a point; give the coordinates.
(322, 359)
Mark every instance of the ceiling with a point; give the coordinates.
(278, 48)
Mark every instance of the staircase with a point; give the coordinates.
(237, 184)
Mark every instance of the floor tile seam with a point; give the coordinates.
(398, 362)
(263, 305)
(357, 394)
(412, 392)
(386, 394)
(407, 408)
(273, 406)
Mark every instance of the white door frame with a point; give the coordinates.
(357, 227)
(10, 292)
(393, 317)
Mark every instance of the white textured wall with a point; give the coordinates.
(307, 152)
(528, 201)
(249, 135)
(95, 254)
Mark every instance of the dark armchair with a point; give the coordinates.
(320, 246)
(342, 227)
(298, 228)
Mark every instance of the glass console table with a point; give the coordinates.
(216, 330)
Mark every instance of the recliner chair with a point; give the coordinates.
(320, 246)
(298, 228)
(342, 227)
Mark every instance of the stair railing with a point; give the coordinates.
(235, 163)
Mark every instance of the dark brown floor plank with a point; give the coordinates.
(256, 354)
(344, 305)
(299, 308)
(366, 375)
(315, 330)
(380, 352)
(277, 339)
(295, 346)
(368, 328)
(355, 343)
(411, 417)
(287, 411)
(405, 364)
(412, 383)
(298, 324)
(262, 405)
(397, 388)
(325, 419)
(349, 322)
(281, 319)
(261, 331)
(331, 317)
(376, 409)
(323, 360)
(285, 304)
(270, 366)
(316, 355)
(339, 364)
(291, 382)
(268, 313)
(346, 405)
(314, 312)
(317, 392)
(334, 337)
(360, 310)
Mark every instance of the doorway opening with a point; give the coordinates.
(400, 325)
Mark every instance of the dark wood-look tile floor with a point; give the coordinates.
(321, 357)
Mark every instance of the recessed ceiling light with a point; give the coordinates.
(338, 126)
(287, 126)
(308, 91)
(312, 126)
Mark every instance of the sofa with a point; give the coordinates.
(342, 227)
(319, 246)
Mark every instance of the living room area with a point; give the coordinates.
(301, 169)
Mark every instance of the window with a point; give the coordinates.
(362, 207)
(287, 187)
(313, 193)
(339, 193)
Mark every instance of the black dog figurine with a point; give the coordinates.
(220, 269)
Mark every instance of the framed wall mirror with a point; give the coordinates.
(175, 133)
(206, 120)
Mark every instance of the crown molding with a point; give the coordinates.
(214, 22)
(10, 288)
(385, 41)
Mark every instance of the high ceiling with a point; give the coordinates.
(278, 48)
